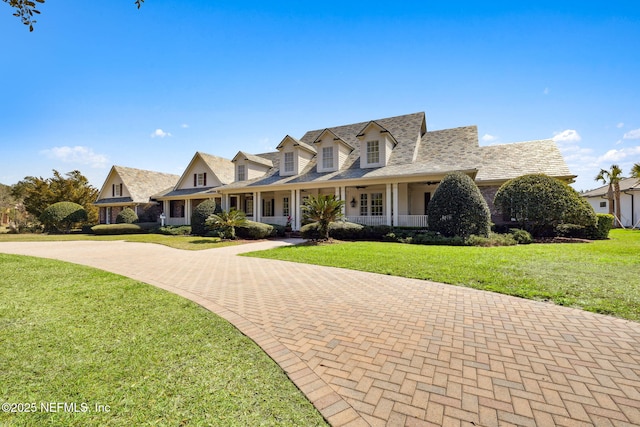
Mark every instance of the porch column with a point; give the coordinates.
(108, 218)
(341, 194)
(396, 197)
(225, 202)
(292, 209)
(388, 204)
(187, 212)
(298, 210)
(257, 206)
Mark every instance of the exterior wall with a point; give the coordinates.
(343, 153)
(113, 181)
(629, 207)
(198, 167)
(489, 193)
(388, 147)
(416, 196)
(372, 133)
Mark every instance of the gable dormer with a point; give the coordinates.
(249, 166)
(204, 171)
(376, 144)
(295, 155)
(114, 186)
(332, 151)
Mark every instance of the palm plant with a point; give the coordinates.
(226, 222)
(613, 176)
(323, 210)
(635, 171)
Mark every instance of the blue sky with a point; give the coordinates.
(101, 83)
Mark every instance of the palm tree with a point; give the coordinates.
(323, 210)
(613, 177)
(226, 222)
(635, 171)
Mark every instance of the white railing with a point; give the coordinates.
(367, 220)
(412, 220)
(278, 220)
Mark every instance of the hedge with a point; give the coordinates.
(113, 229)
(255, 230)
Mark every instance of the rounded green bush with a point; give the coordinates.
(127, 216)
(341, 230)
(200, 214)
(115, 229)
(538, 203)
(255, 230)
(523, 237)
(457, 208)
(62, 216)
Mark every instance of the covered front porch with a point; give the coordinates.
(401, 204)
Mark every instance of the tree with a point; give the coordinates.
(38, 193)
(613, 176)
(635, 171)
(539, 203)
(127, 216)
(457, 208)
(25, 9)
(200, 214)
(323, 210)
(62, 216)
(226, 222)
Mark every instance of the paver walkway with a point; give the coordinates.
(370, 349)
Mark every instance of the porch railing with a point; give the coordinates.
(368, 220)
(412, 220)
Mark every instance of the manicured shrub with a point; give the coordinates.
(62, 216)
(538, 203)
(114, 229)
(433, 238)
(457, 208)
(494, 239)
(310, 231)
(174, 230)
(600, 231)
(341, 230)
(224, 223)
(571, 230)
(280, 229)
(523, 237)
(255, 230)
(200, 214)
(127, 216)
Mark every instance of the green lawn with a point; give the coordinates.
(77, 335)
(602, 276)
(177, 242)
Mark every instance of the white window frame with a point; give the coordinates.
(242, 176)
(116, 191)
(285, 206)
(377, 204)
(200, 180)
(288, 161)
(327, 158)
(373, 152)
(364, 204)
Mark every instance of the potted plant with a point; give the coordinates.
(287, 227)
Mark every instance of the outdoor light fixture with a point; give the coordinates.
(353, 202)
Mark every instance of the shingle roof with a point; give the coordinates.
(419, 152)
(254, 158)
(141, 184)
(507, 161)
(626, 184)
(221, 167)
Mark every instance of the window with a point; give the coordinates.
(116, 190)
(248, 206)
(199, 179)
(288, 162)
(327, 157)
(285, 206)
(603, 204)
(364, 205)
(373, 152)
(376, 204)
(176, 208)
(241, 173)
(267, 207)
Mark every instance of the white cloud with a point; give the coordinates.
(569, 135)
(620, 125)
(78, 154)
(632, 134)
(184, 126)
(546, 91)
(488, 138)
(159, 133)
(617, 155)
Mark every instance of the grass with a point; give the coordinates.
(73, 334)
(177, 242)
(601, 276)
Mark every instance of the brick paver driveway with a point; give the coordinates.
(370, 349)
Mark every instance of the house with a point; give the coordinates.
(629, 201)
(133, 188)
(386, 170)
(199, 182)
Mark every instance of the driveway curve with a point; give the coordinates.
(369, 349)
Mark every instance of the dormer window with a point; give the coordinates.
(116, 190)
(373, 152)
(327, 157)
(200, 179)
(241, 173)
(288, 161)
